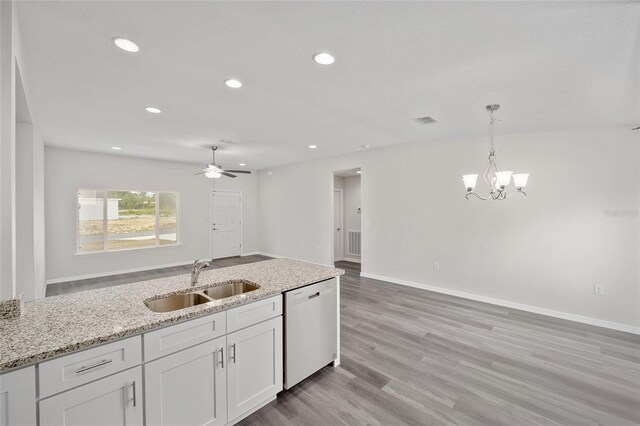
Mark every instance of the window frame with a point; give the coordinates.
(105, 221)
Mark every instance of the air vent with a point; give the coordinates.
(425, 120)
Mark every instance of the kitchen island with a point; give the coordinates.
(127, 337)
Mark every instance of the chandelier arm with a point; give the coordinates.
(476, 194)
(486, 173)
(523, 193)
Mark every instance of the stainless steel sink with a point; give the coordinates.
(177, 301)
(188, 300)
(230, 289)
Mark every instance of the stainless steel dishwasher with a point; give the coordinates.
(310, 330)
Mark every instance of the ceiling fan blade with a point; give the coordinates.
(239, 171)
(228, 175)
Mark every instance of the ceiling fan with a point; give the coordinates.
(214, 171)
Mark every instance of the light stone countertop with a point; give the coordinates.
(60, 324)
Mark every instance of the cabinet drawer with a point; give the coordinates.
(253, 313)
(113, 400)
(183, 335)
(76, 369)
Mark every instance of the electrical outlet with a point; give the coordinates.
(436, 266)
(598, 290)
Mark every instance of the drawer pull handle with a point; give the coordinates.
(234, 353)
(314, 295)
(134, 393)
(221, 358)
(92, 366)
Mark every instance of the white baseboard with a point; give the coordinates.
(277, 256)
(528, 308)
(122, 271)
(250, 253)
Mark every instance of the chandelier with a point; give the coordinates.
(496, 180)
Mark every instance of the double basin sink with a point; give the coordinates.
(188, 300)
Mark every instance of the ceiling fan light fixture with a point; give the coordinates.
(213, 173)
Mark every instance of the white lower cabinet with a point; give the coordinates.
(254, 373)
(188, 388)
(114, 400)
(18, 397)
(188, 381)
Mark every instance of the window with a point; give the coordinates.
(124, 220)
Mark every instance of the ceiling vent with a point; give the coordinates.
(425, 120)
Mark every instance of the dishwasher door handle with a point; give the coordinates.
(317, 294)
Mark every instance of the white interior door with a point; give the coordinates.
(226, 224)
(337, 224)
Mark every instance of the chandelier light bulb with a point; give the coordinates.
(470, 181)
(520, 180)
(503, 179)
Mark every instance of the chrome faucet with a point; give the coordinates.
(198, 266)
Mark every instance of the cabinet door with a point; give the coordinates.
(188, 388)
(18, 397)
(114, 400)
(255, 366)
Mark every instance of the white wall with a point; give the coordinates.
(67, 171)
(7, 151)
(21, 168)
(547, 251)
(30, 260)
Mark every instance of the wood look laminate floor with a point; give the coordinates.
(416, 357)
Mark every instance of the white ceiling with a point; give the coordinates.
(550, 65)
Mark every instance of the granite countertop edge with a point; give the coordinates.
(279, 276)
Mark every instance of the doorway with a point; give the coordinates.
(347, 229)
(226, 224)
(338, 217)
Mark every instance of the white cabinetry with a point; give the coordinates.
(18, 397)
(188, 388)
(114, 400)
(195, 374)
(254, 372)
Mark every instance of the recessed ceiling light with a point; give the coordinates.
(242, 164)
(125, 44)
(116, 148)
(313, 146)
(359, 172)
(233, 83)
(323, 58)
(153, 110)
